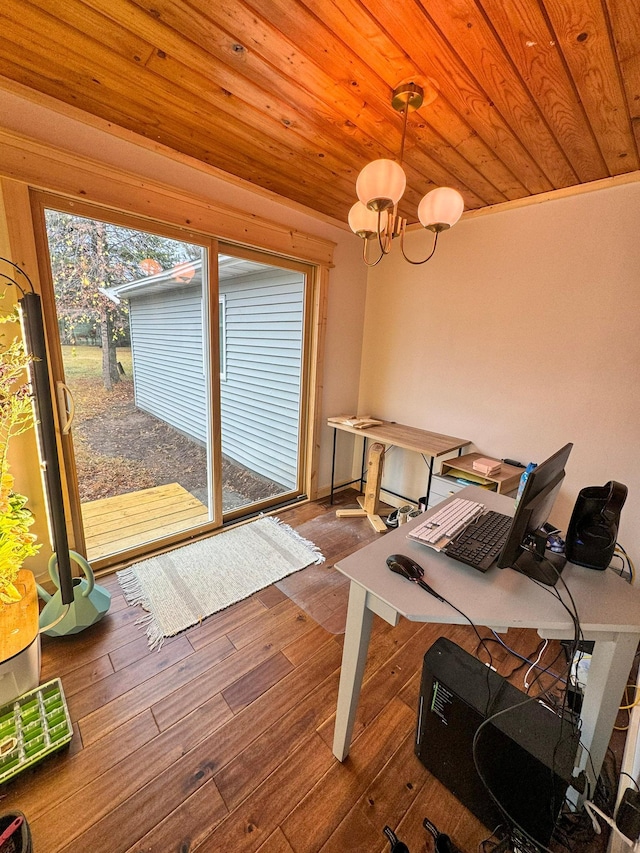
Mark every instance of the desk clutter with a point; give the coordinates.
(486, 466)
(356, 421)
(479, 470)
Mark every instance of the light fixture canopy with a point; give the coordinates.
(381, 185)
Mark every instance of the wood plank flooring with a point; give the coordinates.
(221, 741)
(135, 518)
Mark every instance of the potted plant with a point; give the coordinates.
(16, 416)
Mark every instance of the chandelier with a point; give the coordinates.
(380, 186)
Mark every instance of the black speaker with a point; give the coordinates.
(593, 529)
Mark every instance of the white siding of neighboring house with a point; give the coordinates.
(260, 393)
(166, 345)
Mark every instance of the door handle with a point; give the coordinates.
(66, 407)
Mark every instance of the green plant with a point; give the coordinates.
(16, 416)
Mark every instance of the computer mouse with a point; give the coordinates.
(405, 566)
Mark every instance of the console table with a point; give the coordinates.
(431, 444)
(608, 609)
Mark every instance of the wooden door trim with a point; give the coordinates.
(81, 178)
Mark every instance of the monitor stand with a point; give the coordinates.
(538, 562)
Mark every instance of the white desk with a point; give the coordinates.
(608, 608)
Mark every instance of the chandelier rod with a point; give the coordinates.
(405, 113)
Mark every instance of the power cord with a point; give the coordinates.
(535, 664)
(622, 555)
(629, 776)
(573, 613)
(593, 810)
(500, 840)
(525, 660)
(628, 707)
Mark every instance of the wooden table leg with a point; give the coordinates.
(371, 499)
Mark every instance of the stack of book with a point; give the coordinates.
(485, 466)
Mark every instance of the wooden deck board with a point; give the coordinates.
(126, 521)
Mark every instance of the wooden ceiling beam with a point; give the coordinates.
(427, 151)
(155, 127)
(217, 77)
(625, 25)
(85, 52)
(295, 95)
(408, 20)
(440, 163)
(369, 115)
(221, 75)
(155, 28)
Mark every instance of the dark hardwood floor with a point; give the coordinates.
(221, 741)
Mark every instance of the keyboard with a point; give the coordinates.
(480, 544)
(440, 528)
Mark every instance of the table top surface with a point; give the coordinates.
(409, 438)
(498, 598)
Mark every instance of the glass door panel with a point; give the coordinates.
(262, 322)
(133, 321)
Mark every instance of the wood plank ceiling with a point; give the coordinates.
(523, 96)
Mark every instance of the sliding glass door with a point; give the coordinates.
(180, 376)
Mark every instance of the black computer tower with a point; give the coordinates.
(525, 755)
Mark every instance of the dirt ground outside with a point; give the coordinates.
(120, 449)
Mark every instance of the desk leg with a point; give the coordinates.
(333, 465)
(608, 673)
(430, 478)
(354, 658)
(364, 462)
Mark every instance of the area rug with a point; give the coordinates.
(182, 587)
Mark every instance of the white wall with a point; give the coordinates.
(522, 333)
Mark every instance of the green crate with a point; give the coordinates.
(31, 727)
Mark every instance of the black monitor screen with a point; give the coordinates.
(525, 549)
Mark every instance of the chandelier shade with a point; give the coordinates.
(381, 184)
(364, 222)
(440, 209)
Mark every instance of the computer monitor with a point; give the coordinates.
(526, 547)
